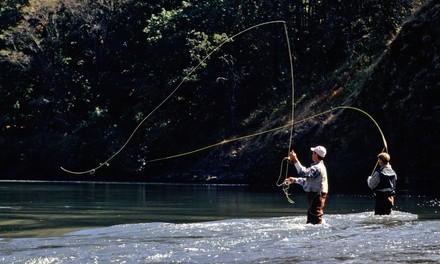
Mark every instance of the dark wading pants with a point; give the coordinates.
(384, 203)
(316, 207)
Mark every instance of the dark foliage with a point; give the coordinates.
(78, 76)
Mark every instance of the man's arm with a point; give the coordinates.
(373, 180)
(311, 172)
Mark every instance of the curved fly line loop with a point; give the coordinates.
(106, 162)
(289, 125)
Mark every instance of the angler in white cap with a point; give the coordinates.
(313, 179)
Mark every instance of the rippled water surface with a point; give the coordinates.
(141, 223)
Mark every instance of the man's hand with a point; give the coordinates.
(289, 180)
(292, 157)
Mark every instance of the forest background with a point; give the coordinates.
(78, 76)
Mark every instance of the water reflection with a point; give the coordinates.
(47, 208)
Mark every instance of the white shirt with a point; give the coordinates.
(374, 179)
(313, 178)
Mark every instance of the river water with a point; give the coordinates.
(77, 222)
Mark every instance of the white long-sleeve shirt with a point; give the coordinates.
(313, 178)
(374, 179)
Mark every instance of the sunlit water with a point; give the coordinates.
(114, 223)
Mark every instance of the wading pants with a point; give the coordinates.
(384, 203)
(316, 207)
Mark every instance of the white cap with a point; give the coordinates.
(320, 150)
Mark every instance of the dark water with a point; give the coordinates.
(42, 222)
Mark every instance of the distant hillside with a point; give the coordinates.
(81, 81)
(401, 93)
